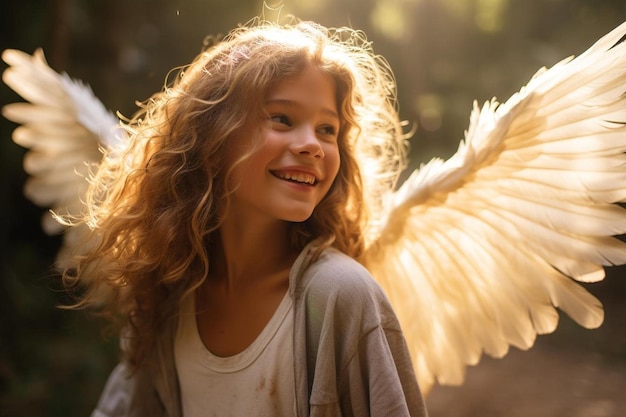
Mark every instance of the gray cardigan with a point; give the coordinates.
(350, 355)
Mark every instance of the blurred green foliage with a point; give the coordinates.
(445, 54)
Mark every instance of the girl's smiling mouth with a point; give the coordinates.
(296, 176)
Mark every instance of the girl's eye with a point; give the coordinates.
(280, 118)
(328, 130)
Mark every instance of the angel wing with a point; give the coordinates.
(63, 126)
(478, 251)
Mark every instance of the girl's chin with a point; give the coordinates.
(298, 217)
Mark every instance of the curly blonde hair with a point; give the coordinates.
(154, 207)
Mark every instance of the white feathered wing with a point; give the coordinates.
(64, 127)
(478, 251)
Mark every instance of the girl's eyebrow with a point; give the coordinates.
(292, 103)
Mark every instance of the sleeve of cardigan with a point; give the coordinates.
(115, 397)
(129, 394)
(379, 380)
(357, 357)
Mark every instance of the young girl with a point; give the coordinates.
(230, 231)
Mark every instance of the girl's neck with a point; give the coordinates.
(244, 251)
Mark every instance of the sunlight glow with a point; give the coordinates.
(310, 7)
(429, 108)
(389, 19)
(490, 15)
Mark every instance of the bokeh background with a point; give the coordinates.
(445, 54)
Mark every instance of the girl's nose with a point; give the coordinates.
(307, 143)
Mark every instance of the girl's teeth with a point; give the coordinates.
(298, 177)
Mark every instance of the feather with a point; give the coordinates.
(64, 127)
(476, 253)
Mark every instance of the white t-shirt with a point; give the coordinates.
(256, 382)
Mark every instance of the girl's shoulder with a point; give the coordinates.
(337, 282)
(334, 271)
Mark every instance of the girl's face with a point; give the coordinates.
(298, 157)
